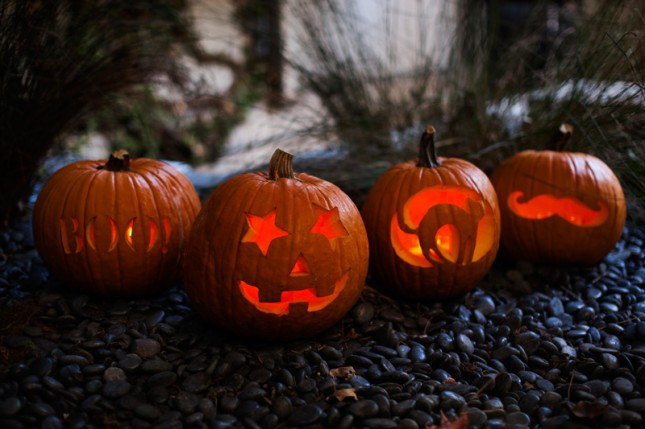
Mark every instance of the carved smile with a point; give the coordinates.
(289, 297)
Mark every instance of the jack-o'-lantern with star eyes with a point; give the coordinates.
(433, 225)
(559, 207)
(276, 255)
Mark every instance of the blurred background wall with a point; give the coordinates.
(216, 85)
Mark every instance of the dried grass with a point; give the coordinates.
(588, 70)
(61, 59)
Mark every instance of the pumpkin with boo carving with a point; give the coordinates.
(276, 255)
(115, 228)
(559, 207)
(433, 225)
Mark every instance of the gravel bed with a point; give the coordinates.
(533, 346)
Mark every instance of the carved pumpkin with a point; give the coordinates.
(433, 225)
(276, 255)
(115, 228)
(559, 207)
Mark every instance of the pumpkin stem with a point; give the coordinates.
(119, 161)
(563, 136)
(427, 154)
(280, 165)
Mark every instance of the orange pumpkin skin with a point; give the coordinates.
(565, 207)
(115, 233)
(274, 256)
(433, 229)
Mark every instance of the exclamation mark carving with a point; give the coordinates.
(166, 235)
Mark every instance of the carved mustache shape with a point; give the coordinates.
(570, 209)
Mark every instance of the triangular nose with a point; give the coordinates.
(300, 268)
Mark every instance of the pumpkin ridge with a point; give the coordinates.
(139, 217)
(429, 178)
(530, 168)
(552, 159)
(151, 191)
(122, 259)
(517, 174)
(460, 181)
(257, 189)
(81, 185)
(101, 181)
(426, 177)
(516, 177)
(404, 183)
(85, 187)
(462, 178)
(585, 174)
(473, 181)
(180, 199)
(468, 180)
(573, 165)
(74, 180)
(613, 197)
(86, 199)
(176, 189)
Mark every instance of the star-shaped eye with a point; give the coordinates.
(329, 225)
(262, 231)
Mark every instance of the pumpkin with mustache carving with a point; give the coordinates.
(276, 255)
(559, 207)
(433, 225)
